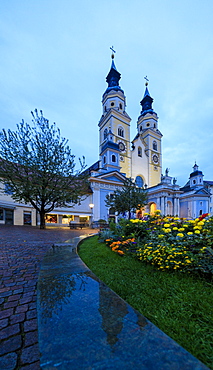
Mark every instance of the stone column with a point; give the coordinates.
(165, 205)
(162, 205)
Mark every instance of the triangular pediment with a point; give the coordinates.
(202, 192)
(114, 176)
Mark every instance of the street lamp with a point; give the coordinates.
(91, 205)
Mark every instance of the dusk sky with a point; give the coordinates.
(55, 56)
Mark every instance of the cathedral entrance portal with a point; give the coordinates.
(152, 208)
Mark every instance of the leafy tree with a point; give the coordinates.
(37, 164)
(127, 199)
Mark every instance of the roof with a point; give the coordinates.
(208, 182)
(110, 145)
(196, 173)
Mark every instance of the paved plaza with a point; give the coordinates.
(22, 248)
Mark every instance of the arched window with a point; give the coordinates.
(120, 131)
(139, 181)
(105, 133)
(139, 152)
(113, 158)
(120, 106)
(154, 145)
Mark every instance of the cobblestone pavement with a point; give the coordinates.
(22, 249)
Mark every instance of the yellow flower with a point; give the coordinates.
(180, 235)
(201, 223)
(197, 231)
(181, 229)
(160, 236)
(175, 228)
(166, 225)
(189, 233)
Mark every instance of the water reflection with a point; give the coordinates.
(55, 291)
(113, 310)
(84, 325)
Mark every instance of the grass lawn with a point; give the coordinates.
(179, 304)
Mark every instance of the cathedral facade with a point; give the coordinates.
(121, 158)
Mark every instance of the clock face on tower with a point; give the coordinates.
(155, 158)
(121, 146)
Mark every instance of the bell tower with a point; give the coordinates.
(147, 143)
(115, 121)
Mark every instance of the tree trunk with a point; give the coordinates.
(42, 220)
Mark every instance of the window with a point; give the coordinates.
(194, 181)
(112, 104)
(105, 133)
(120, 131)
(139, 152)
(8, 189)
(141, 128)
(120, 106)
(51, 219)
(1, 214)
(104, 159)
(154, 145)
(139, 181)
(27, 218)
(105, 108)
(113, 158)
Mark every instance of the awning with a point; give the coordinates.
(7, 206)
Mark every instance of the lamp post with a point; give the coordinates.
(91, 205)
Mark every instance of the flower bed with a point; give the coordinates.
(170, 243)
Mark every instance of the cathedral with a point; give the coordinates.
(121, 158)
(140, 159)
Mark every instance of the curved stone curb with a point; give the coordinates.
(85, 325)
